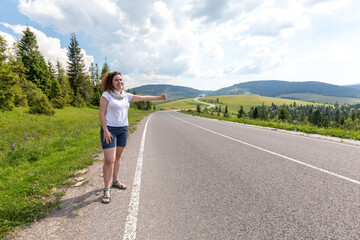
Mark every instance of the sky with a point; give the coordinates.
(203, 44)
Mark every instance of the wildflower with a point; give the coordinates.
(34, 185)
(12, 145)
(25, 137)
(35, 220)
(35, 135)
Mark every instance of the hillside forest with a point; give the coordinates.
(27, 79)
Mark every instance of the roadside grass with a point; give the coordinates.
(48, 150)
(333, 132)
(247, 101)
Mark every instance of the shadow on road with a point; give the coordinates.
(69, 207)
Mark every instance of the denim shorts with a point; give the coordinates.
(119, 137)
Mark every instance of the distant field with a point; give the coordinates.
(320, 98)
(247, 101)
(178, 104)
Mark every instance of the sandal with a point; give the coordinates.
(106, 197)
(122, 186)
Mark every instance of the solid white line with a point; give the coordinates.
(131, 220)
(277, 154)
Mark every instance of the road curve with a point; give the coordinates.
(210, 105)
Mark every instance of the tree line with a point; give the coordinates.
(346, 116)
(26, 79)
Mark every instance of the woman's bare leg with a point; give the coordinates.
(108, 168)
(119, 151)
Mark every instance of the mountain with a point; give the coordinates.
(274, 88)
(268, 88)
(173, 92)
(357, 86)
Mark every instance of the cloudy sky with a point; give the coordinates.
(204, 44)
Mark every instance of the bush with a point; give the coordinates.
(38, 101)
(78, 101)
(58, 102)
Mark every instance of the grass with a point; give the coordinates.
(233, 102)
(56, 148)
(333, 132)
(247, 101)
(179, 104)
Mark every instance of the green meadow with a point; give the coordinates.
(187, 103)
(232, 101)
(247, 101)
(38, 154)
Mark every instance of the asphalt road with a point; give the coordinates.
(209, 179)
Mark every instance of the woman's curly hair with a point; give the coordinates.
(106, 80)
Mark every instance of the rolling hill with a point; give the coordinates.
(268, 88)
(173, 92)
(274, 88)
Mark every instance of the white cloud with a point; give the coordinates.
(50, 47)
(69, 16)
(10, 40)
(180, 40)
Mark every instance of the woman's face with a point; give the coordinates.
(118, 83)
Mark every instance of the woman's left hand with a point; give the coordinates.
(163, 96)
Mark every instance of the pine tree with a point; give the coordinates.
(255, 113)
(92, 73)
(76, 71)
(105, 68)
(56, 95)
(63, 80)
(198, 109)
(284, 114)
(263, 113)
(55, 86)
(7, 79)
(226, 111)
(36, 68)
(241, 112)
(97, 73)
(17, 67)
(95, 80)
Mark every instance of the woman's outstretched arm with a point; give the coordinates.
(137, 98)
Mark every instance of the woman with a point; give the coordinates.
(114, 106)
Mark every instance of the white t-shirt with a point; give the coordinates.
(117, 110)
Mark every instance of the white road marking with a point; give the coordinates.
(277, 154)
(131, 220)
